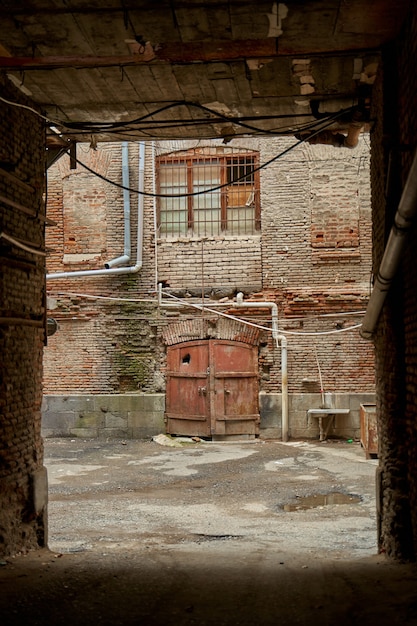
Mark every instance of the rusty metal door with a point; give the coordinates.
(187, 397)
(212, 389)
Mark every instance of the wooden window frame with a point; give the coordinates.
(190, 160)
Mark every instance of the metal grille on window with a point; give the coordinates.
(240, 195)
(197, 206)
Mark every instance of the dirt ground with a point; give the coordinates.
(208, 533)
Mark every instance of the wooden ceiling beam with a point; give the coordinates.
(201, 52)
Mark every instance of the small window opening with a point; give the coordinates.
(186, 359)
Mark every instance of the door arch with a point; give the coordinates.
(212, 389)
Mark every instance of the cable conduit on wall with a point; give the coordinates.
(391, 259)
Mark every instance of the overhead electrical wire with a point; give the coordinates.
(218, 118)
(168, 124)
(111, 126)
(322, 124)
(158, 125)
(28, 108)
(217, 187)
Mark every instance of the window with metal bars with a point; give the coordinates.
(191, 208)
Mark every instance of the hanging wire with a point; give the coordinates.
(208, 309)
(217, 187)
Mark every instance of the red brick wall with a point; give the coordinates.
(22, 321)
(111, 347)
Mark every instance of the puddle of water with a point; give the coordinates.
(311, 502)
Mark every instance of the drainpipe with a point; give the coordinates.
(391, 259)
(338, 140)
(125, 258)
(155, 216)
(352, 138)
(118, 270)
(284, 387)
(278, 339)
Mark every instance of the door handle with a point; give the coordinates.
(202, 391)
(227, 391)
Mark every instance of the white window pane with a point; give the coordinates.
(173, 175)
(207, 201)
(174, 222)
(241, 221)
(206, 175)
(173, 211)
(207, 222)
(173, 204)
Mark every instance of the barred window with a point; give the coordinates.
(233, 209)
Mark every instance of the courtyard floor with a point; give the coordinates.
(257, 532)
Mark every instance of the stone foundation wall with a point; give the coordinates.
(141, 416)
(126, 416)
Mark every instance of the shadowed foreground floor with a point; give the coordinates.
(206, 584)
(144, 534)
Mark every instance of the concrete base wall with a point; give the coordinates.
(125, 416)
(139, 416)
(303, 426)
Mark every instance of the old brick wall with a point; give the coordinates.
(320, 284)
(104, 343)
(221, 264)
(394, 141)
(195, 264)
(311, 257)
(23, 492)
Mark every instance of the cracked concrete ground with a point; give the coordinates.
(208, 533)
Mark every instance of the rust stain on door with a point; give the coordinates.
(212, 389)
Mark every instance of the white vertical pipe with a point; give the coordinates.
(155, 217)
(284, 388)
(125, 258)
(398, 237)
(284, 366)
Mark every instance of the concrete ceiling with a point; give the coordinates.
(139, 69)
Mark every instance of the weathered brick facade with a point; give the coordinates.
(303, 289)
(311, 256)
(23, 492)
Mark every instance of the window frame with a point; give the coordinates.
(224, 159)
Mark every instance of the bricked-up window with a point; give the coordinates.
(84, 207)
(335, 212)
(234, 209)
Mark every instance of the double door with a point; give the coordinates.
(212, 389)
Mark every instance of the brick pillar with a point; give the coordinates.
(393, 146)
(23, 492)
